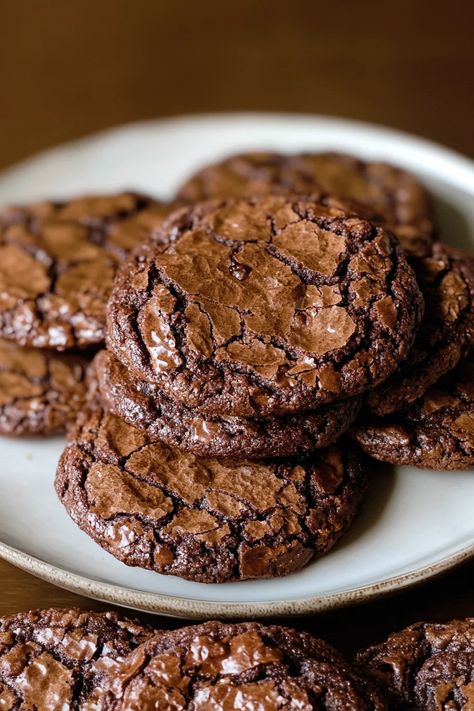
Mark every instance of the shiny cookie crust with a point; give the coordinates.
(262, 307)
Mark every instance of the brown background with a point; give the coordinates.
(70, 68)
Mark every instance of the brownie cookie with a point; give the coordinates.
(126, 235)
(54, 659)
(57, 264)
(435, 432)
(209, 520)
(246, 666)
(262, 307)
(379, 192)
(446, 333)
(41, 392)
(145, 406)
(427, 666)
(257, 173)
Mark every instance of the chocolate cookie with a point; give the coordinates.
(57, 264)
(435, 432)
(243, 666)
(55, 659)
(261, 307)
(41, 392)
(446, 333)
(145, 406)
(427, 666)
(126, 235)
(379, 192)
(209, 520)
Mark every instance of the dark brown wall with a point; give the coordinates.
(69, 67)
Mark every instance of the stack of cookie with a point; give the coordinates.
(243, 337)
(280, 315)
(57, 264)
(423, 414)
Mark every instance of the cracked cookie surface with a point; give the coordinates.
(249, 666)
(381, 193)
(209, 520)
(434, 432)
(54, 659)
(426, 666)
(261, 307)
(41, 391)
(446, 333)
(144, 405)
(57, 265)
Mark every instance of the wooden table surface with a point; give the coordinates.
(67, 69)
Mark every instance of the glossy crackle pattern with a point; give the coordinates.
(41, 392)
(246, 666)
(146, 406)
(436, 431)
(428, 666)
(57, 265)
(377, 191)
(208, 520)
(54, 659)
(261, 307)
(446, 333)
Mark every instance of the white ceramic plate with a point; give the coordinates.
(415, 524)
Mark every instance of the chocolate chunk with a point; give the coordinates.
(246, 666)
(434, 432)
(262, 307)
(209, 520)
(389, 196)
(426, 666)
(41, 392)
(56, 659)
(145, 406)
(57, 265)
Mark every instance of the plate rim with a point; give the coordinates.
(191, 608)
(464, 163)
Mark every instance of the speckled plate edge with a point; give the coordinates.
(193, 609)
(189, 608)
